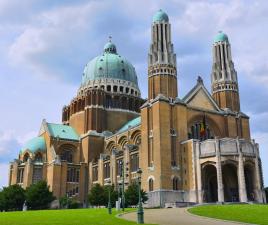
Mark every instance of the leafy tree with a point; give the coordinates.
(97, 196)
(266, 193)
(2, 201)
(12, 198)
(69, 203)
(113, 194)
(73, 204)
(64, 201)
(38, 196)
(132, 195)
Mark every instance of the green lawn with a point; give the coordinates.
(62, 217)
(257, 214)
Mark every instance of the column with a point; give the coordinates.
(219, 172)
(241, 175)
(113, 168)
(258, 185)
(198, 173)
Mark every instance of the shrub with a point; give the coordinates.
(132, 195)
(12, 198)
(38, 196)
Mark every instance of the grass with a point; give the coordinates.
(256, 214)
(63, 217)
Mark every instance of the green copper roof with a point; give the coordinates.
(132, 123)
(34, 145)
(220, 37)
(62, 131)
(160, 16)
(109, 65)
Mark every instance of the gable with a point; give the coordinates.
(199, 97)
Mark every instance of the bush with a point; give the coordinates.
(38, 196)
(132, 195)
(12, 198)
(2, 201)
(113, 195)
(68, 203)
(266, 193)
(96, 195)
(73, 204)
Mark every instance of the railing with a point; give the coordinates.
(227, 146)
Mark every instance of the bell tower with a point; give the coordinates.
(162, 59)
(224, 77)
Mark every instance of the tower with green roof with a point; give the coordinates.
(162, 70)
(224, 77)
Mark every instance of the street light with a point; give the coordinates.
(109, 198)
(140, 213)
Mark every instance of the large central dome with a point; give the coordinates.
(109, 66)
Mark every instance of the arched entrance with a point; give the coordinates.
(209, 183)
(230, 182)
(249, 180)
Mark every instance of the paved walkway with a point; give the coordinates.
(176, 216)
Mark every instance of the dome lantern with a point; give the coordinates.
(160, 16)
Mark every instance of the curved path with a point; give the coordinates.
(176, 216)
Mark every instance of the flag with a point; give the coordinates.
(203, 127)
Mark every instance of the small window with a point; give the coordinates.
(115, 88)
(109, 88)
(121, 89)
(127, 90)
(151, 184)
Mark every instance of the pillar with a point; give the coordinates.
(241, 175)
(219, 172)
(113, 168)
(100, 171)
(258, 186)
(198, 174)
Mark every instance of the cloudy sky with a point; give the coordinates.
(45, 44)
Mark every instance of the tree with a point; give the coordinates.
(64, 202)
(38, 196)
(113, 194)
(96, 195)
(12, 197)
(266, 193)
(2, 201)
(68, 203)
(132, 195)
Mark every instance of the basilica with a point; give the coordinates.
(194, 149)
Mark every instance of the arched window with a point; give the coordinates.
(66, 152)
(151, 184)
(175, 182)
(67, 155)
(38, 157)
(26, 157)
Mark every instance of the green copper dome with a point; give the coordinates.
(109, 65)
(34, 145)
(220, 37)
(160, 16)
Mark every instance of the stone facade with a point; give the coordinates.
(196, 149)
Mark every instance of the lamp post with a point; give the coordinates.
(140, 213)
(109, 198)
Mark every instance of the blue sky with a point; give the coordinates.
(45, 44)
